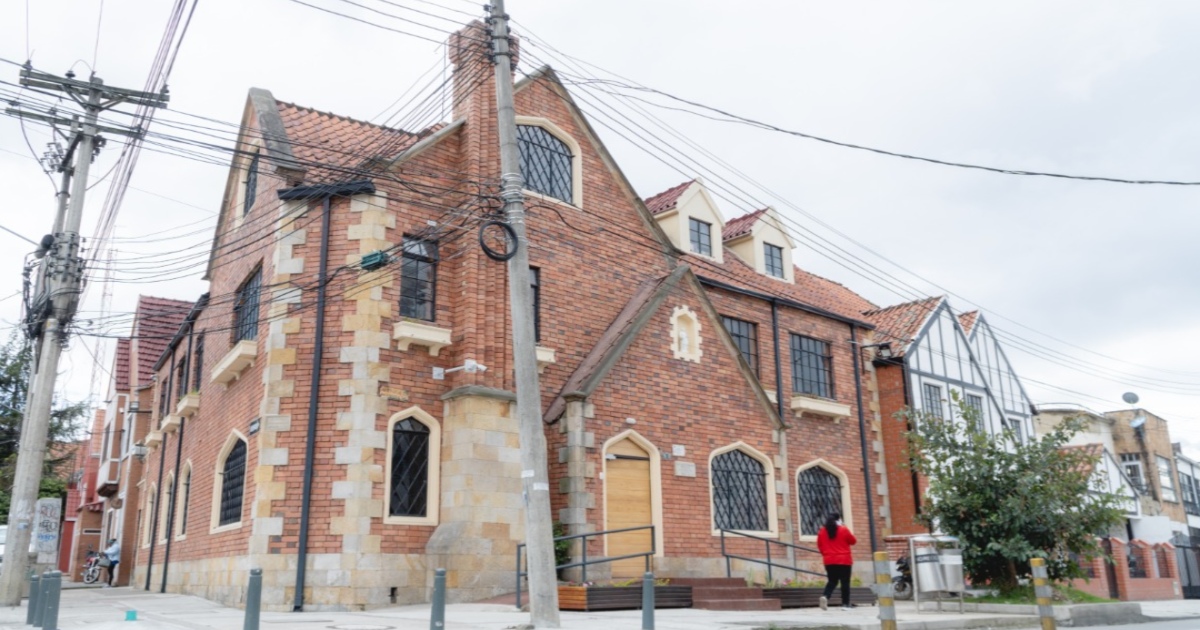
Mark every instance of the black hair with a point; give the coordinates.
(831, 525)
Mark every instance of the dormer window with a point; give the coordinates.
(701, 234)
(773, 260)
(545, 163)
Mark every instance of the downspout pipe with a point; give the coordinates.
(162, 463)
(862, 435)
(325, 193)
(175, 481)
(787, 473)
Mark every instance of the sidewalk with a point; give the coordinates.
(104, 609)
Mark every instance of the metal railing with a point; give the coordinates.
(584, 562)
(767, 542)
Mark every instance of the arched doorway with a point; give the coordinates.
(629, 504)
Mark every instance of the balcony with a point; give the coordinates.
(409, 332)
(170, 424)
(188, 405)
(812, 406)
(231, 366)
(108, 477)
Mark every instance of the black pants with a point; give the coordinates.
(112, 569)
(838, 573)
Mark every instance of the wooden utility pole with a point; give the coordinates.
(535, 479)
(56, 298)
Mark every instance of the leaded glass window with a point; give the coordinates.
(739, 487)
(245, 308)
(975, 403)
(183, 505)
(410, 468)
(251, 184)
(931, 400)
(745, 336)
(773, 260)
(812, 367)
(181, 378)
(233, 482)
(701, 236)
(545, 162)
(198, 363)
(820, 495)
(418, 279)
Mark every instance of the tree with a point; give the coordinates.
(16, 364)
(1008, 500)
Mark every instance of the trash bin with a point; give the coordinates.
(929, 571)
(952, 570)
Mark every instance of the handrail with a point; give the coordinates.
(767, 542)
(584, 562)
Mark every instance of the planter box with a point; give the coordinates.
(589, 598)
(808, 597)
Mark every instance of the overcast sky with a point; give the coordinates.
(1094, 283)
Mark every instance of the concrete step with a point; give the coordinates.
(726, 592)
(736, 604)
(694, 582)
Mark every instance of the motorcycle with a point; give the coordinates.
(902, 585)
(91, 567)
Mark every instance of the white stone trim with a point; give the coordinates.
(240, 357)
(214, 525)
(164, 508)
(656, 494)
(408, 332)
(545, 357)
(685, 335)
(814, 405)
(180, 503)
(148, 514)
(433, 491)
(576, 160)
(847, 508)
(772, 502)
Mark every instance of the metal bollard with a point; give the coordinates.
(648, 601)
(52, 595)
(35, 585)
(1041, 589)
(253, 600)
(40, 610)
(437, 613)
(884, 591)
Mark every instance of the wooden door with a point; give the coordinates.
(627, 480)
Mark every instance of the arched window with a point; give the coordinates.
(546, 163)
(148, 523)
(739, 492)
(164, 516)
(184, 495)
(820, 494)
(413, 468)
(233, 483)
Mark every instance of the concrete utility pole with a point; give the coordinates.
(535, 479)
(55, 299)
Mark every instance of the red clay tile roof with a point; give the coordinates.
(742, 225)
(320, 138)
(666, 199)
(1092, 451)
(967, 320)
(121, 366)
(902, 322)
(809, 289)
(155, 324)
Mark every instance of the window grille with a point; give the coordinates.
(701, 234)
(931, 400)
(773, 260)
(1132, 463)
(233, 478)
(410, 468)
(183, 507)
(251, 184)
(975, 403)
(745, 336)
(245, 308)
(164, 395)
(535, 286)
(820, 495)
(739, 492)
(198, 363)
(418, 279)
(181, 378)
(812, 367)
(545, 162)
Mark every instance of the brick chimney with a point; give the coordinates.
(470, 52)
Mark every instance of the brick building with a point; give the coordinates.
(693, 378)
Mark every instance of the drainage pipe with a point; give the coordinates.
(862, 435)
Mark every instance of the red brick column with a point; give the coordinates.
(1167, 562)
(1145, 556)
(1120, 568)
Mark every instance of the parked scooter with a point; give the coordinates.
(91, 567)
(902, 585)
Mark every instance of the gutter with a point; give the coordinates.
(175, 482)
(786, 302)
(162, 463)
(325, 192)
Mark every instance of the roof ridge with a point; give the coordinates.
(906, 304)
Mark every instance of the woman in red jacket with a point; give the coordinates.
(834, 541)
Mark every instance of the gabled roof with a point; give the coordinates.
(155, 323)
(967, 320)
(902, 322)
(121, 363)
(321, 138)
(742, 225)
(667, 199)
(809, 289)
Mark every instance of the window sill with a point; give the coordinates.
(225, 528)
(533, 194)
(429, 521)
(188, 405)
(153, 439)
(231, 366)
(545, 356)
(409, 332)
(170, 424)
(810, 405)
(751, 532)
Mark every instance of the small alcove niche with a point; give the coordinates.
(685, 334)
